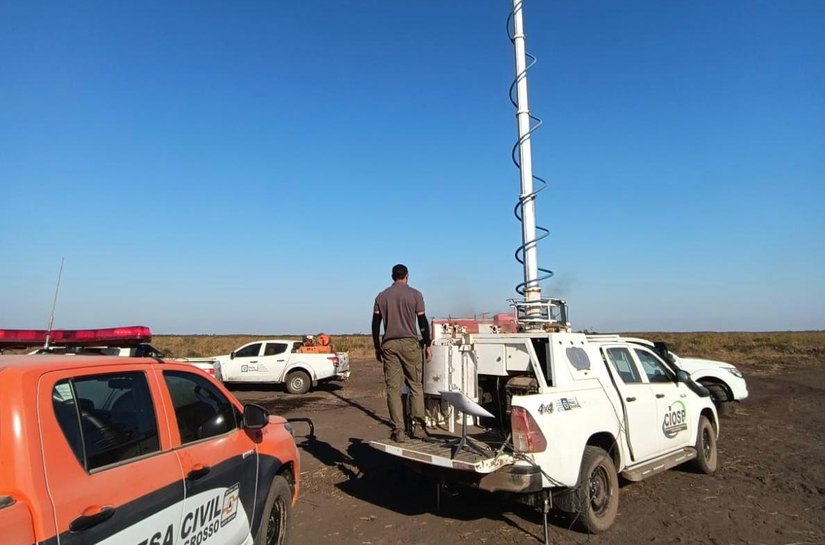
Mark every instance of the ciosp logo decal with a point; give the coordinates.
(675, 420)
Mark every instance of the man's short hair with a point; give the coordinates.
(399, 271)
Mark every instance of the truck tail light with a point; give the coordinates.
(211, 372)
(335, 361)
(527, 437)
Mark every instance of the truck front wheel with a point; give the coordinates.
(597, 492)
(706, 455)
(298, 382)
(720, 397)
(277, 512)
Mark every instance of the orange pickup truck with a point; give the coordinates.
(108, 450)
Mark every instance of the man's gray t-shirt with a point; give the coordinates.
(399, 306)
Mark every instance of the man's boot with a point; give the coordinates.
(419, 430)
(397, 435)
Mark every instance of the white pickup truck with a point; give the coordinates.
(568, 414)
(276, 361)
(723, 380)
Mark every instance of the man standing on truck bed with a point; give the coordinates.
(400, 351)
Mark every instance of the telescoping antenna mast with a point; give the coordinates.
(532, 312)
(54, 304)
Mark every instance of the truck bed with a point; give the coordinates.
(439, 451)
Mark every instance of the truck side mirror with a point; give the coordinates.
(682, 376)
(255, 417)
(232, 355)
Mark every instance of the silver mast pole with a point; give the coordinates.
(532, 290)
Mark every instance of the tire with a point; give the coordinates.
(277, 514)
(706, 454)
(720, 397)
(298, 382)
(597, 494)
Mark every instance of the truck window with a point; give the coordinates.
(249, 351)
(540, 345)
(65, 409)
(201, 410)
(106, 419)
(655, 370)
(274, 348)
(622, 362)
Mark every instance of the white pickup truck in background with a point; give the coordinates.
(278, 361)
(723, 380)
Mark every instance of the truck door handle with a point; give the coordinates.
(198, 471)
(631, 399)
(256, 361)
(660, 396)
(98, 515)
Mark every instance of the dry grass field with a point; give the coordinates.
(773, 350)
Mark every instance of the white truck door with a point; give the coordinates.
(671, 400)
(244, 364)
(275, 359)
(641, 407)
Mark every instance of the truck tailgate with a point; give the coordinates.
(440, 454)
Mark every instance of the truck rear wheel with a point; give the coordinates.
(597, 492)
(706, 455)
(298, 382)
(277, 514)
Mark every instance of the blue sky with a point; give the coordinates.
(258, 167)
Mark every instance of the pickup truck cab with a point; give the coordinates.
(278, 361)
(566, 414)
(112, 450)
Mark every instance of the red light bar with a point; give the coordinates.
(115, 336)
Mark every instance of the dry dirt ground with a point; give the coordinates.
(769, 488)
